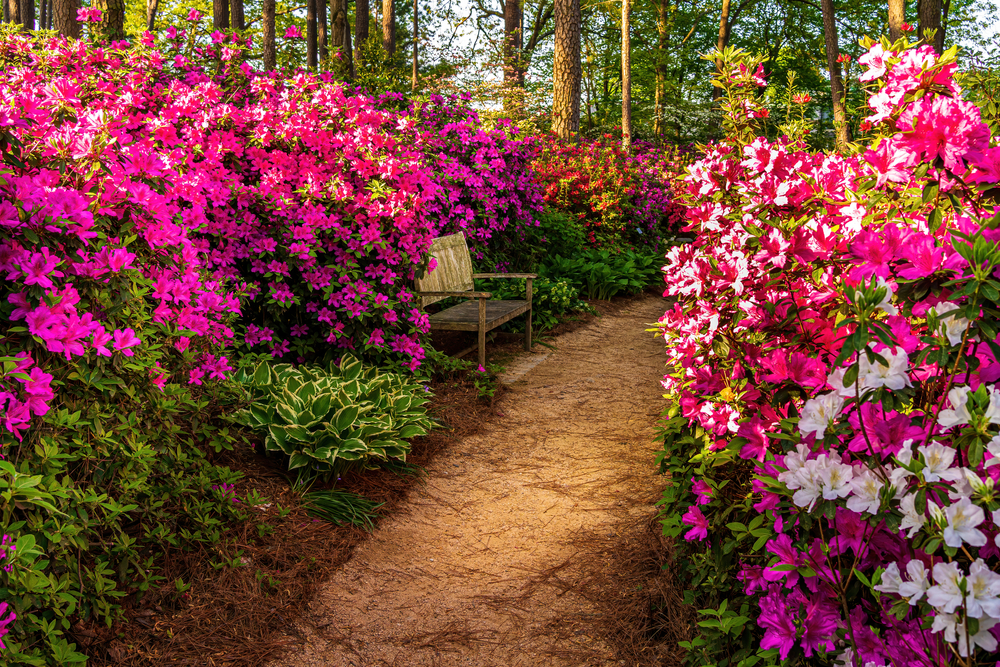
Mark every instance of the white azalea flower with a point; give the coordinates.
(893, 376)
(954, 632)
(963, 517)
(993, 447)
(819, 413)
(959, 413)
(937, 462)
(865, 489)
(951, 326)
(905, 454)
(918, 584)
(945, 595)
(981, 589)
(890, 580)
(886, 303)
(911, 518)
(993, 410)
(836, 380)
(836, 478)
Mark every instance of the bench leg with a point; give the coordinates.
(482, 333)
(527, 332)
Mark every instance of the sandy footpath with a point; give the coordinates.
(487, 563)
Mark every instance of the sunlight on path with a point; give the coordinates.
(483, 567)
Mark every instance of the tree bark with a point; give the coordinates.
(64, 17)
(661, 66)
(566, 69)
(322, 34)
(112, 25)
(350, 71)
(14, 10)
(416, 41)
(311, 34)
(836, 82)
(6, 12)
(28, 14)
(361, 23)
(236, 15)
(270, 45)
(626, 76)
(929, 13)
(43, 15)
(389, 27)
(339, 57)
(152, 7)
(220, 14)
(512, 77)
(897, 11)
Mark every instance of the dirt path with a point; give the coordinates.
(493, 562)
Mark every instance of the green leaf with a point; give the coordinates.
(345, 417)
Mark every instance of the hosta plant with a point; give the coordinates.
(327, 419)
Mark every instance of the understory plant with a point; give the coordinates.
(328, 419)
(833, 439)
(603, 274)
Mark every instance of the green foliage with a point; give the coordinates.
(551, 301)
(342, 507)
(602, 274)
(440, 367)
(328, 419)
(97, 497)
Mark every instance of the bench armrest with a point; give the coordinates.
(504, 275)
(468, 295)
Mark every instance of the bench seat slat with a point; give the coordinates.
(465, 316)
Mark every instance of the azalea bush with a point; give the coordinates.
(114, 338)
(833, 352)
(620, 199)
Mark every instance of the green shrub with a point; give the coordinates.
(551, 300)
(602, 274)
(327, 419)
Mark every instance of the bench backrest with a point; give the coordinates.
(454, 268)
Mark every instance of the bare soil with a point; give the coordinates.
(532, 541)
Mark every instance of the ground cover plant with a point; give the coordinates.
(833, 354)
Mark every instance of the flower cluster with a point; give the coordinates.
(835, 364)
(617, 196)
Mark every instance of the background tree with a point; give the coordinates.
(929, 12)
(236, 15)
(566, 69)
(220, 14)
(361, 23)
(112, 24)
(311, 46)
(28, 14)
(626, 77)
(64, 17)
(270, 53)
(389, 27)
(897, 14)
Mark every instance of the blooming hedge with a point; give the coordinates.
(620, 198)
(833, 349)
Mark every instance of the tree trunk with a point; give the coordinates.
(6, 12)
(512, 18)
(270, 46)
(220, 14)
(361, 22)
(661, 66)
(929, 12)
(64, 17)
(236, 15)
(339, 57)
(28, 14)
(724, 29)
(311, 34)
(152, 6)
(897, 11)
(350, 71)
(14, 11)
(389, 27)
(566, 69)
(416, 41)
(322, 34)
(836, 82)
(112, 25)
(626, 76)
(43, 16)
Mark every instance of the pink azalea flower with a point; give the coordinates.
(125, 340)
(698, 522)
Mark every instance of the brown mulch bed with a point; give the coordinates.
(240, 615)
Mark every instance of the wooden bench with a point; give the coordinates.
(453, 276)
